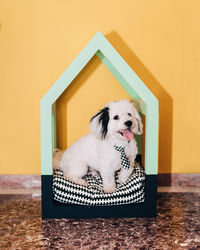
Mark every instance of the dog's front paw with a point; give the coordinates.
(122, 179)
(109, 189)
(124, 175)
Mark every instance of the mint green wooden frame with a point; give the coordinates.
(145, 100)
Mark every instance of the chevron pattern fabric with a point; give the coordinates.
(131, 191)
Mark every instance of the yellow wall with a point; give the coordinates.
(160, 40)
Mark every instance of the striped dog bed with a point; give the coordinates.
(131, 191)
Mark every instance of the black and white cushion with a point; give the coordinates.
(131, 191)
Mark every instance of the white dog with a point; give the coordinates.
(115, 125)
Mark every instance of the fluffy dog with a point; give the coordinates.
(115, 125)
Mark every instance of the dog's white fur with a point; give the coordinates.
(96, 150)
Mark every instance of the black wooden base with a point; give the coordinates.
(53, 209)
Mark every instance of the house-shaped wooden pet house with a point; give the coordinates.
(147, 105)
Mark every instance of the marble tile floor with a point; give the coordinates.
(177, 226)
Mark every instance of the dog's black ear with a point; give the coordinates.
(99, 123)
(103, 121)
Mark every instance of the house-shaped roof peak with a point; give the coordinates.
(100, 46)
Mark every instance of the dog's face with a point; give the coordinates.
(119, 119)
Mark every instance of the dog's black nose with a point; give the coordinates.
(128, 123)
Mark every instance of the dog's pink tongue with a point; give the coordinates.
(128, 134)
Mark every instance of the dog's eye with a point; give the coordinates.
(116, 117)
(129, 114)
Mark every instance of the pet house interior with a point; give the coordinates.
(145, 102)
